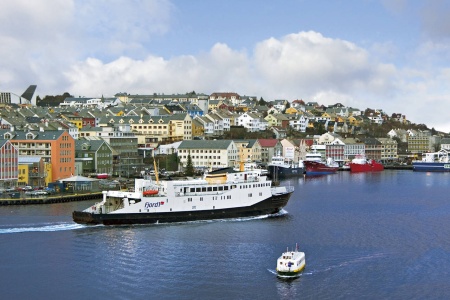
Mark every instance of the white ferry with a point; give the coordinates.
(215, 196)
(291, 263)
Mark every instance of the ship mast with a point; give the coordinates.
(156, 169)
(241, 162)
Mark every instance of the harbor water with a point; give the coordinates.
(366, 236)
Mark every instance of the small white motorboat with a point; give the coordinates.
(291, 263)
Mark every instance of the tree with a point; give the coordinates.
(262, 102)
(189, 167)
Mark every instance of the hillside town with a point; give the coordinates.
(119, 137)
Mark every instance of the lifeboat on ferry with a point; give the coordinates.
(150, 192)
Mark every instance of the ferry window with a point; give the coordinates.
(201, 198)
(203, 189)
(250, 194)
(260, 194)
(215, 188)
(233, 186)
(198, 189)
(192, 190)
(220, 188)
(209, 189)
(226, 188)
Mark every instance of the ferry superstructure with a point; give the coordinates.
(215, 196)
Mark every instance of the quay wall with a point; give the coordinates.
(50, 199)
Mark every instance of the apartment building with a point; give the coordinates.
(210, 154)
(56, 147)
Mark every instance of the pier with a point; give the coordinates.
(50, 199)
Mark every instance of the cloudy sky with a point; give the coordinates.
(387, 54)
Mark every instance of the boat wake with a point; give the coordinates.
(346, 263)
(47, 227)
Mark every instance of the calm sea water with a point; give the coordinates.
(366, 236)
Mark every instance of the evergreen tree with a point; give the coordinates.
(189, 167)
(262, 102)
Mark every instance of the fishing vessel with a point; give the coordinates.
(214, 196)
(433, 162)
(361, 164)
(291, 263)
(314, 165)
(281, 168)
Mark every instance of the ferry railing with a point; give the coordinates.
(230, 182)
(289, 189)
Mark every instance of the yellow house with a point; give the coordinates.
(48, 173)
(23, 175)
(326, 115)
(354, 121)
(76, 120)
(249, 150)
(291, 110)
(339, 119)
(271, 120)
(34, 171)
(197, 128)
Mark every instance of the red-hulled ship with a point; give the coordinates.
(314, 165)
(361, 164)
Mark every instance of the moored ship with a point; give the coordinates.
(215, 196)
(314, 165)
(361, 164)
(433, 162)
(281, 168)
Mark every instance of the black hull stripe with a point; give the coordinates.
(269, 206)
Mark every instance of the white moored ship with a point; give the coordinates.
(215, 196)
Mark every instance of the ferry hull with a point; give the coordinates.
(282, 172)
(271, 205)
(431, 167)
(291, 273)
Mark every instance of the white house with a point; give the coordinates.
(208, 125)
(250, 121)
(168, 149)
(299, 123)
(211, 154)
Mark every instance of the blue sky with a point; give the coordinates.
(387, 54)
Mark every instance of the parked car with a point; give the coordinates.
(50, 191)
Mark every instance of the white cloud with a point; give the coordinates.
(308, 63)
(304, 65)
(45, 38)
